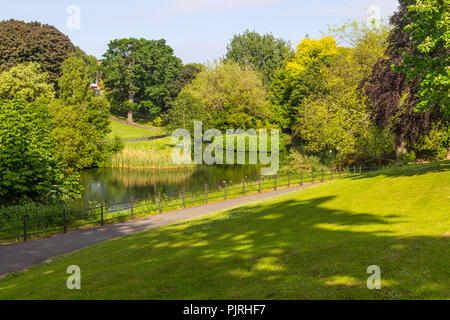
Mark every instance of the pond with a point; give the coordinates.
(116, 186)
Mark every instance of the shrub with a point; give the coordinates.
(297, 161)
(408, 157)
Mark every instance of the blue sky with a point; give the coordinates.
(198, 30)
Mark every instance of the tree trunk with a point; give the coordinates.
(448, 154)
(130, 110)
(400, 150)
(130, 116)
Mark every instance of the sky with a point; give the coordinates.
(197, 30)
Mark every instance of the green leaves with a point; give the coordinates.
(78, 72)
(28, 169)
(264, 53)
(223, 96)
(429, 61)
(33, 42)
(327, 110)
(26, 82)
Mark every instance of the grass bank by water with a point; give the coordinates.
(314, 244)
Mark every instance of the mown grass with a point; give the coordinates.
(140, 119)
(313, 244)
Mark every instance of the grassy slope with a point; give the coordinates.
(138, 155)
(130, 132)
(159, 144)
(312, 244)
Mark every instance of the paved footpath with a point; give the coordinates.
(21, 255)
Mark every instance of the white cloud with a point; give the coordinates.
(182, 7)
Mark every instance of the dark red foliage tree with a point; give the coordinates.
(392, 98)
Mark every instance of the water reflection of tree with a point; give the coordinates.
(115, 185)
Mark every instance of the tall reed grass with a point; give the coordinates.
(131, 158)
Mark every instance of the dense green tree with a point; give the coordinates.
(184, 78)
(368, 41)
(78, 143)
(186, 109)
(335, 118)
(26, 82)
(429, 56)
(28, 168)
(80, 116)
(394, 96)
(264, 53)
(224, 96)
(22, 42)
(301, 77)
(78, 71)
(137, 73)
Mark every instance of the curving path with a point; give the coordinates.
(19, 256)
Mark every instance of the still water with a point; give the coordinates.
(116, 186)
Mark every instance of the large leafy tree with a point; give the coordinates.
(428, 24)
(301, 77)
(394, 95)
(78, 143)
(264, 53)
(78, 71)
(26, 82)
(137, 73)
(80, 116)
(336, 118)
(184, 78)
(22, 42)
(223, 96)
(368, 41)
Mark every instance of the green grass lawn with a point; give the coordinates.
(159, 144)
(130, 132)
(313, 244)
(140, 119)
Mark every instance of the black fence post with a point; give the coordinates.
(132, 207)
(323, 176)
(312, 176)
(159, 202)
(243, 186)
(289, 180)
(347, 171)
(101, 214)
(331, 173)
(206, 194)
(65, 221)
(301, 177)
(225, 186)
(24, 218)
(340, 170)
(260, 184)
(276, 183)
(184, 198)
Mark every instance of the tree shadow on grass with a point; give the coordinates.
(292, 250)
(408, 171)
